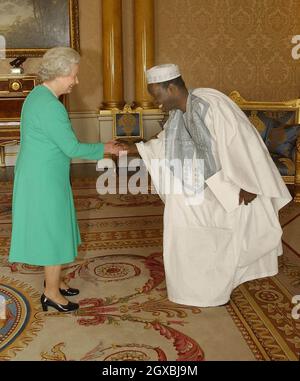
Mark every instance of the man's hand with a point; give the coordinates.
(246, 197)
(132, 149)
(113, 147)
(129, 148)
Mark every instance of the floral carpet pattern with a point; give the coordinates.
(124, 310)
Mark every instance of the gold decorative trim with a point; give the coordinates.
(265, 305)
(155, 111)
(252, 341)
(275, 334)
(73, 33)
(288, 179)
(129, 118)
(5, 77)
(252, 105)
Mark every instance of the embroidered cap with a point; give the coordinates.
(162, 73)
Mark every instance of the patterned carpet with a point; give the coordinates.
(124, 312)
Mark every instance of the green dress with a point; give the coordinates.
(44, 228)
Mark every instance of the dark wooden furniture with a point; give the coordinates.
(14, 89)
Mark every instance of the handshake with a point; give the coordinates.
(114, 147)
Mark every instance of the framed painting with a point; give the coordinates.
(128, 124)
(30, 27)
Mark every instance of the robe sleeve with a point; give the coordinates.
(59, 130)
(153, 150)
(244, 158)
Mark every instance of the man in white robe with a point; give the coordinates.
(232, 235)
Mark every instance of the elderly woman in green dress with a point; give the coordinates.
(45, 230)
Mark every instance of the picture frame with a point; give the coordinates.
(128, 124)
(31, 27)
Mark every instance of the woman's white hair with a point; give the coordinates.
(57, 62)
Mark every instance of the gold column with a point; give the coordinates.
(113, 94)
(144, 49)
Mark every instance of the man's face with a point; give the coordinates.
(165, 98)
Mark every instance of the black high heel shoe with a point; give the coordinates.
(46, 302)
(68, 291)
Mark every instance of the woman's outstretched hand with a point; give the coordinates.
(114, 147)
